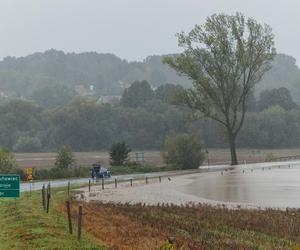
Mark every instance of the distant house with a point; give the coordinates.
(109, 99)
(84, 91)
(124, 85)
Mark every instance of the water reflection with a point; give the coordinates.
(272, 188)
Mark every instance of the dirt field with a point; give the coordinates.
(82, 158)
(216, 156)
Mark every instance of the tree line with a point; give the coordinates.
(143, 119)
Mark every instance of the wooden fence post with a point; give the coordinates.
(48, 197)
(159, 178)
(44, 197)
(102, 183)
(89, 185)
(49, 189)
(48, 202)
(131, 182)
(69, 188)
(69, 217)
(146, 180)
(116, 183)
(79, 222)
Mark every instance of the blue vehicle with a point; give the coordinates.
(100, 172)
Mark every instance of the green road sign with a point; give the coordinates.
(9, 186)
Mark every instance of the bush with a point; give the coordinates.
(270, 157)
(166, 246)
(183, 150)
(57, 173)
(7, 161)
(119, 153)
(135, 168)
(64, 158)
(21, 173)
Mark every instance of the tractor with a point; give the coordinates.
(99, 171)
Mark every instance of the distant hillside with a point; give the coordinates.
(108, 73)
(24, 76)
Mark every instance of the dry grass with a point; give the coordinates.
(216, 156)
(193, 227)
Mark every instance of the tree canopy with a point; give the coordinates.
(137, 94)
(53, 95)
(281, 97)
(224, 58)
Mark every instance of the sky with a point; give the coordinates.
(130, 29)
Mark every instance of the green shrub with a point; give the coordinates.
(20, 172)
(119, 153)
(58, 173)
(64, 158)
(7, 161)
(183, 150)
(135, 168)
(167, 246)
(270, 157)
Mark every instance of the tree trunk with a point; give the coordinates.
(231, 140)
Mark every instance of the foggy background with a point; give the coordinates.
(131, 29)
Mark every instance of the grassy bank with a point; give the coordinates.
(138, 168)
(198, 227)
(84, 172)
(24, 225)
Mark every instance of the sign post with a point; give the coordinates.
(9, 186)
(29, 178)
(29, 174)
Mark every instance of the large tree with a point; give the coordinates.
(137, 94)
(224, 58)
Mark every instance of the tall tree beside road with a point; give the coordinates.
(224, 58)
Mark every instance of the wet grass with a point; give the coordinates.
(192, 227)
(24, 225)
(140, 169)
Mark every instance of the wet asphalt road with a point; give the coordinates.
(37, 185)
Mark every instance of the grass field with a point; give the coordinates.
(216, 156)
(25, 225)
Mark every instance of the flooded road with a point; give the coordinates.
(37, 185)
(267, 187)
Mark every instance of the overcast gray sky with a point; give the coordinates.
(131, 29)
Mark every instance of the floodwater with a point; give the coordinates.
(37, 185)
(277, 187)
